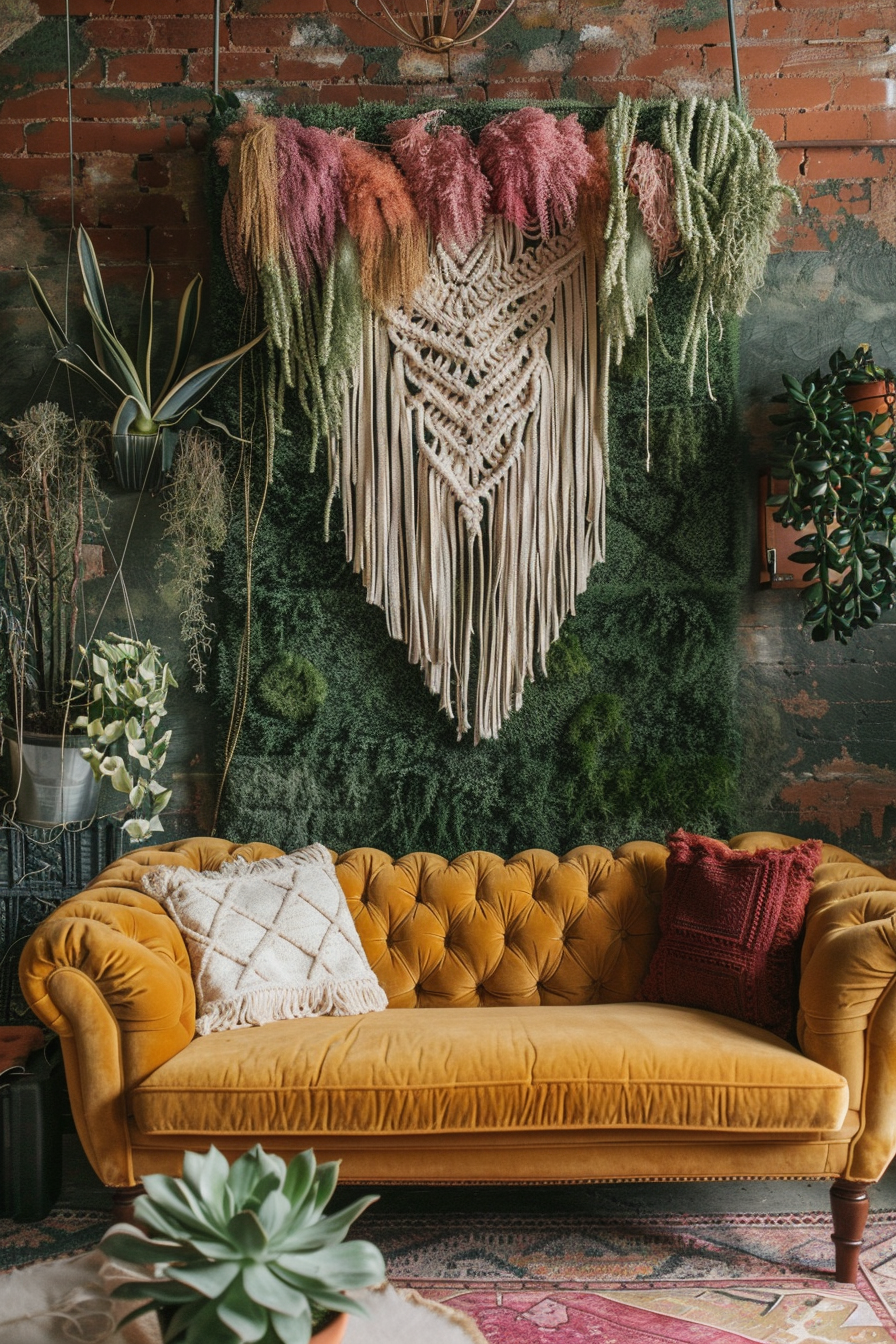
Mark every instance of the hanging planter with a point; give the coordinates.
(48, 779)
(142, 423)
(142, 461)
(840, 475)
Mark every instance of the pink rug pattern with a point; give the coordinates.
(687, 1280)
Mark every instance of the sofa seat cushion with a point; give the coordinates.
(419, 1071)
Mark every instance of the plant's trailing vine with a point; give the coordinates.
(841, 473)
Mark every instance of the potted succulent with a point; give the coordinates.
(246, 1252)
(50, 499)
(841, 484)
(126, 690)
(144, 427)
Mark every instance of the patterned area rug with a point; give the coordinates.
(683, 1279)
(65, 1232)
(692, 1280)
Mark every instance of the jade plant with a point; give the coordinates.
(245, 1252)
(126, 380)
(841, 483)
(126, 689)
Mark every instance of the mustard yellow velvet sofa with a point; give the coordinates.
(594, 1086)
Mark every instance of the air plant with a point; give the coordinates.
(127, 381)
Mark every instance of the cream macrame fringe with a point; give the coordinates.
(273, 1003)
(471, 469)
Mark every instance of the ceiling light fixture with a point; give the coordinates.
(437, 28)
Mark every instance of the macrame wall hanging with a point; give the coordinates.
(447, 313)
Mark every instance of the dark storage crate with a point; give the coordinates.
(31, 1109)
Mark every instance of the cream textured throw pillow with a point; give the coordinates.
(268, 940)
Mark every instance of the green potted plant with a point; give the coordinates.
(869, 387)
(246, 1252)
(144, 425)
(50, 500)
(127, 687)
(841, 484)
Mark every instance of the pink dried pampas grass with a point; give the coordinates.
(535, 163)
(383, 220)
(442, 169)
(651, 178)
(310, 194)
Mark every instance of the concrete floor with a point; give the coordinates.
(81, 1189)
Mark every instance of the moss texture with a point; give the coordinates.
(633, 731)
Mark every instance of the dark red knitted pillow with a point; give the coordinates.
(730, 923)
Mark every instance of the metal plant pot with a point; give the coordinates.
(141, 461)
(48, 778)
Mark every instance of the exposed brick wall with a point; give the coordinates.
(812, 72)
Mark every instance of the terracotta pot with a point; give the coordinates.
(873, 398)
(332, 1333)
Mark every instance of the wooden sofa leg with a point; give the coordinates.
(849, 1205)
(123, 1197)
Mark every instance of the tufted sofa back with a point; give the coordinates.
(477, 930)
(481, 930)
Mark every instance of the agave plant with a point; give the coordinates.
(127, 382)
(245, 1253)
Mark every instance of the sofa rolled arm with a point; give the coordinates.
(847, 1018)
(111, 976)
(109, 972)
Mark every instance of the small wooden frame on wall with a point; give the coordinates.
(776, 542)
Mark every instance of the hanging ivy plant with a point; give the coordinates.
(841, 474)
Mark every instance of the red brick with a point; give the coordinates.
(100, 104)
(882, 125)
(655, 64)
(126, 8)
(778, 94)
(250, 30)
(772, 24)
(178, 244)
(804, 239)
(596, 64)
(119, 245)
(348, 94)
(361, 32)
(757, 58)
(118, 34)
(772, 123)
(291, 68)
(146, 68)
(710, 33)
(171, 102)
(845, 163)
(237, 67)
(55, 208)
(867, 23)
(24, 174)
(790, 162)
(197, 135)
(833, 125)
(864, 92)
(95, 136)
(12, 138)
(43, 103)
(142, 210)
(186, 34)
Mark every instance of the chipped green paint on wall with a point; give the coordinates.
(40, 52)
